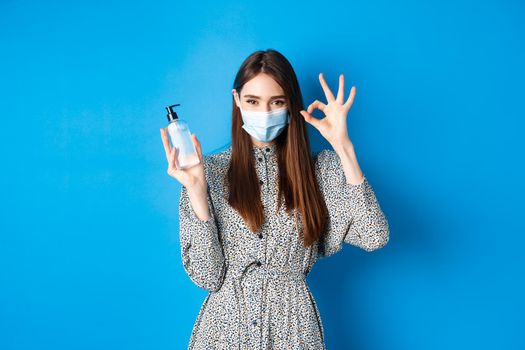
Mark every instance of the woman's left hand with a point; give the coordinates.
(333, 126)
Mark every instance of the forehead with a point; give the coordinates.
(262, 85)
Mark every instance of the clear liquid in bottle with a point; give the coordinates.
(180, 137)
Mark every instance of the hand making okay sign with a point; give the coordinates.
(333, 125)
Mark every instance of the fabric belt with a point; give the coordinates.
(238, 271)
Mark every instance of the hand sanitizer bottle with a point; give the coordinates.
(180, 138)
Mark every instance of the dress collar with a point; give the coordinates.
(270, 150)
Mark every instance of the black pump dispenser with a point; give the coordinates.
(180, 138)
(172, 115)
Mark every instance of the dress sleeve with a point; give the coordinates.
(202, 253)
(355, 216)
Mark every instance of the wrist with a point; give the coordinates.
(344, 147)
(196, 190)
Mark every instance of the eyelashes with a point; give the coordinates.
(280, 102)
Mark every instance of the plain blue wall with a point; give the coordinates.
(89, 250)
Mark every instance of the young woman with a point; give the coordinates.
(255, 217)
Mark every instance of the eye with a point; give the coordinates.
(250, 101)
(280, 102)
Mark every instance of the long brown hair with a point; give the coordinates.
(297, 181)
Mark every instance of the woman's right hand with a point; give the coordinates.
(192, 178)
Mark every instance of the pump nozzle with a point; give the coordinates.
(172, 115)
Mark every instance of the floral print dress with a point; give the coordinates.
(258, 294)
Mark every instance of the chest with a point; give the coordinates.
(280, 231)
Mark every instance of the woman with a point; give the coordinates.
(255, 217)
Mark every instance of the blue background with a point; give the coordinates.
(89, 250)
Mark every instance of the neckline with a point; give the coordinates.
(271, 149)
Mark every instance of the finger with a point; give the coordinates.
(341, 91)
(350, 100)
(311, 119)
(173, 158)
(197, 147)
(316, 105)
(166, 143)
(328, 93)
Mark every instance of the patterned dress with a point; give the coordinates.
(258, 296)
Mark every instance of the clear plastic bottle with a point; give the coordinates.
(180, 138)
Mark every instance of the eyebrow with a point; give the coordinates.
(258, 98)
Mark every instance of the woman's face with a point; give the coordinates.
(261, 93)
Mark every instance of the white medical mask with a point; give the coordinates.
(265, 126)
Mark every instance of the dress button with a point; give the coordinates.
(260, 159)
(267, 149)
(261, 182)
(259, 263)
(260, 235)
(254, 322)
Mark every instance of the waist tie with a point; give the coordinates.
(238, 271)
